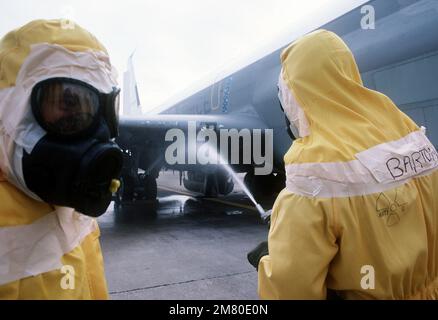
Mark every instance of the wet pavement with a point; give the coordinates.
(184, 246)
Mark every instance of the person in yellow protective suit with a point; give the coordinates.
(58, 164)
(359, 214)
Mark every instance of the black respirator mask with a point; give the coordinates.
(76, 164)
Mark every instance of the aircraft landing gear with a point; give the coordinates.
(149, 184)
(141, 190)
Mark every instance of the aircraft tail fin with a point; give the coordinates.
(131, 99)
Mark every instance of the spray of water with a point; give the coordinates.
(226, 165)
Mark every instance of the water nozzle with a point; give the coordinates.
(264, 215)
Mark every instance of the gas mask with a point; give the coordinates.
(297, 125)
(75, 164)
(57, 127)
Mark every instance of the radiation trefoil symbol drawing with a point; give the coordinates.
(390, 207)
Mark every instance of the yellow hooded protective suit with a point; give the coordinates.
(46, 252)
(359, 213)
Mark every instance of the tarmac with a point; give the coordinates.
(183, 246)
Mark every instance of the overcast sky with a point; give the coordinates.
(181, 44)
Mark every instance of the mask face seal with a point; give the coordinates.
(74, 164)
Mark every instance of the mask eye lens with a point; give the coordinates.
(65, 108)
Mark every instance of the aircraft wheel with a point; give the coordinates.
(150, 187)
(225, 183)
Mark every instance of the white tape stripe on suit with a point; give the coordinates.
(370, 175)
(29, 250)
(332, 189)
